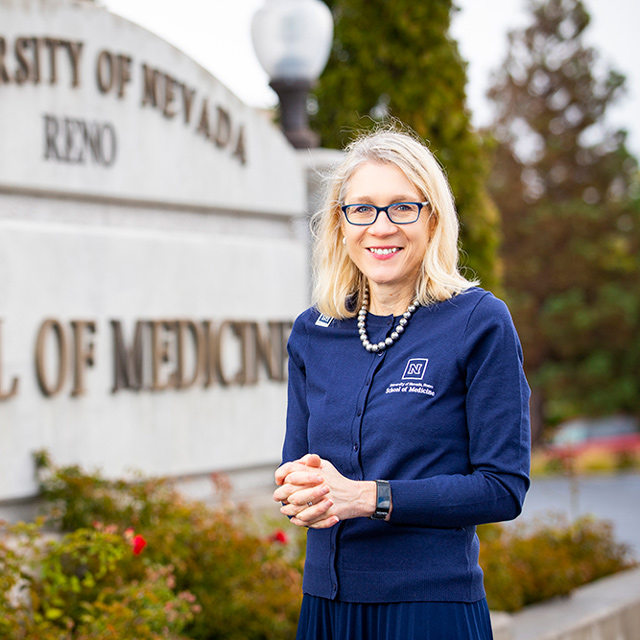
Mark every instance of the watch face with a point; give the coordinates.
(383, 499)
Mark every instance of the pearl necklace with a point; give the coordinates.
(395, 334)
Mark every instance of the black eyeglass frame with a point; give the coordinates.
(344, 208)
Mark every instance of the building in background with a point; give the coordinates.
(151, 259)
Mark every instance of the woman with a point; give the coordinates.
(407, 421)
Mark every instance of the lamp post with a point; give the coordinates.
(292, 39)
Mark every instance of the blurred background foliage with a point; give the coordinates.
(219, 572)
(567, 190)
(396, 59)
(548, 196)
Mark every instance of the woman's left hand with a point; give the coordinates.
(333, 497)
(302, 488)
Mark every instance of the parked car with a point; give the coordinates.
(614, 434)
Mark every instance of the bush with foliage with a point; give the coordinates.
(138, 561)
(247, 582)
(89, 583)
(524, 564)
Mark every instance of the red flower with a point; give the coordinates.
(138, 543)
(280, 536)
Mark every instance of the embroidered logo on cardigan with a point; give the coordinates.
(415, 369)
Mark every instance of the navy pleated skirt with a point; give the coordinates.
(322, 619)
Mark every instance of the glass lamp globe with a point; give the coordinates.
(292, 38)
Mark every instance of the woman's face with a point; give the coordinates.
(389, 255)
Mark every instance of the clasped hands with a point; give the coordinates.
(316, 495)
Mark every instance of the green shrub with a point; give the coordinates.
(248, 583)
(245, 579)
(524, 564)
(85, 584)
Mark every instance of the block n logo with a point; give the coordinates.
(324, 321)
(415, 369)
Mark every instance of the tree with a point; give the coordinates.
(565, 189)
(396, 59)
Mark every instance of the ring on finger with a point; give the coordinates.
(310, 504)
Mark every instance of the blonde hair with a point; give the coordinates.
(339, 284)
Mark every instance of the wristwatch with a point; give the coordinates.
(383, 500)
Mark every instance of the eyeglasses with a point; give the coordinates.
(398, 212)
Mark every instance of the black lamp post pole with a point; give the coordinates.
(293, 112)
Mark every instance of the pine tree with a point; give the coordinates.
(396, 59)
(564, 186)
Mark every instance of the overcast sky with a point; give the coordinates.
(216, 33)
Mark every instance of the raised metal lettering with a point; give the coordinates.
(104, 71)
(127, 361)
(4, 74)
(189, 331)
(61, 347)
(75, 51)
(24, 72)
(83, 353)
(15, 383)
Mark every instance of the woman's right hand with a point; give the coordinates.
(301, 488)
(315, 494)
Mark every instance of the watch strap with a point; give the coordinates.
(383, 500)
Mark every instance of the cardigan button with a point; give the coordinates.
(355, 447)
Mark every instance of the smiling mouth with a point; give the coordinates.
(384, 252)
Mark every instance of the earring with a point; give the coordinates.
(344, 240)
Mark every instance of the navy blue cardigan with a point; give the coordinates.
(442, 414)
